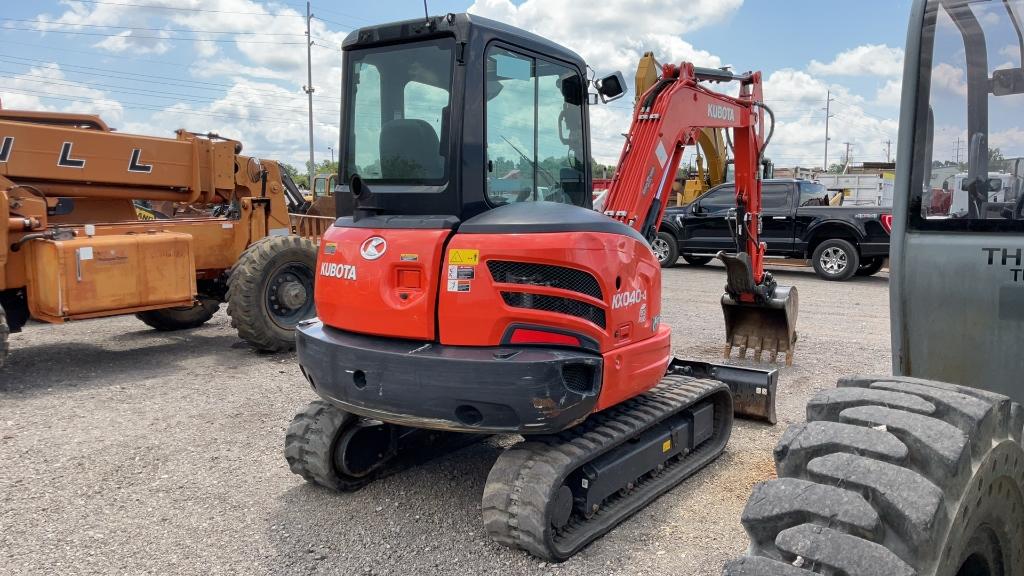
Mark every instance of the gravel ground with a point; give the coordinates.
(127, 451)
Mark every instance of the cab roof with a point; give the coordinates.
(464, 27)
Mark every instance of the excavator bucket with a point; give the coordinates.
(767, 325)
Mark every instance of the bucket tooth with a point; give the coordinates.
(758, 348)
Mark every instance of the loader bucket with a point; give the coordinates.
(766, 327)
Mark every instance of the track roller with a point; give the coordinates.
(553, 495)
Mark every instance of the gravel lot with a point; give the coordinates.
(127, 451)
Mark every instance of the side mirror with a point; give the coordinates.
(694, 208)
(611, 87)
(995, 184)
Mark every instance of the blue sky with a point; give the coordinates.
(139, 64)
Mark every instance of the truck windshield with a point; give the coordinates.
(398, 101)
(969, 153)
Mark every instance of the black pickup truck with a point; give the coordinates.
(797, 222)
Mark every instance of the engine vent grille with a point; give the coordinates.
(556, 304)
(578, 378)
(545, 275)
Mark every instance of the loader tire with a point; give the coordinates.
(270, 290)
(170, 319)
(5, 332)
(895, 476)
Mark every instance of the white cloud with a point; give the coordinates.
(890, 94)
(613, 35)
(866, 60)
(949, 78)
(29, 91)
(127, 41)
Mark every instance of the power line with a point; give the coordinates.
(147, 78)
(148, 93)
(186, 30)
(137, 37)
(141, 106)
(182, 9)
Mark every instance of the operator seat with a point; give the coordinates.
(409, 150)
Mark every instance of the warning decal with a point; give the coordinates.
(463, 256)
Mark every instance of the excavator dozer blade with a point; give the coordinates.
(767, 327)
(753, 390)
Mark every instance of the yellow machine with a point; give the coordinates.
(80, 236)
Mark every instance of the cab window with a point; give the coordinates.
(774, 196)
(534, 130)
(813, 194)
(721, 199)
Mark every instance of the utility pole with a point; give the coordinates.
(308, 88)
(957, 150)
(888, 151)
(828, 107)
(846, 166)
(332, 153)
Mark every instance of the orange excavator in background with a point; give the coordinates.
(474, 290)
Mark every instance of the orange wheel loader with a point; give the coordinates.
(474, 290)
(97, 223)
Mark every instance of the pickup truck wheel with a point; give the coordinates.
(696, 260)
(894, 476)
(871, 266)
(835, 259)
(666, 249)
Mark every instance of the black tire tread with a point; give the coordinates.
(171, 319)
(910, 450)
(309, 445)
(245, 296)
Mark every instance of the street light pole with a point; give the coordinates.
(332, 154)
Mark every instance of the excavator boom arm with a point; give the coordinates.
(670, 116)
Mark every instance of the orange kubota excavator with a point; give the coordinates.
(474, 289)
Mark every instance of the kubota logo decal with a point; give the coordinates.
(719, 112)
(340, 271)
(373, 247)
(624, 299)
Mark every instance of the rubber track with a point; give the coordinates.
(890, 475)
(309, 446)
(523, 481)
(246, 305)
(5, 332)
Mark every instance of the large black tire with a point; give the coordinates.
(871, 266)
(5, 332)
(169, 319)
(893, 476)
(835, 259)
(696, 260)
(665, 249)
(262, 316)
